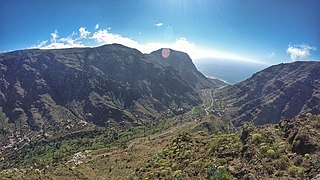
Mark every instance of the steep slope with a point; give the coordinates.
(280, 91)
(54, 90)
(184, 65)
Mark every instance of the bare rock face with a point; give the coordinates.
(53, 89)
(303, 137)
(279, 92)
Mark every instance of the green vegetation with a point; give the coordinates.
(220, 173)
(257, 138)
(271, 153)
(175, 149)
(41, 152)
(190, 155)
(296, 171)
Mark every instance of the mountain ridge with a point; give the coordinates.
(105, 85)
(280, 91)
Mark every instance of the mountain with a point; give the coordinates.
(184, 65)
(88, 113)
(53, 90)
(279, 92)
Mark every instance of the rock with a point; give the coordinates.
(303, 144)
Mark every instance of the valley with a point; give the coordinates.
(189, 147)
(111, 112)
(159, 90)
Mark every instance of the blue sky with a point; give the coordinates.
(267, 32)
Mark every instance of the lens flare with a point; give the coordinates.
(165, 53)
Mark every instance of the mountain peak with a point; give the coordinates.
(41, 89)
(182, 63)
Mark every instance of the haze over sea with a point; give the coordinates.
(228, 71)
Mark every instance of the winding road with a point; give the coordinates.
(212, 95)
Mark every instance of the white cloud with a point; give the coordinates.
(300, 52)
(67, 40)
(41, 44)
(83, 32)
(181, 44)
(54, 36)
(159, 24)
(60, 43)
(97, 26)
(103, 36)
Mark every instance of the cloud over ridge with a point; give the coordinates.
(300, 52)
(85, 38)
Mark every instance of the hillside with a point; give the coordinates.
(50, 91)
(278, 92)
(287, 150)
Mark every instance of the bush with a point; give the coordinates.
(281, 147)
(316, 124)
(307, 156)
(263, 148)
(219, 172)
(256, 138)
(271, 153)
(309, 115)
(295, 171)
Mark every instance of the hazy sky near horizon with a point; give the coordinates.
(266, 32)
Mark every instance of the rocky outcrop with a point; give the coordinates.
(302, 134)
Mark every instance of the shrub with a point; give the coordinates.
(281, 147)
(307, 156)
(256, 138)
(219, 172)
(309, 115)
(316, 124)
(263, 148)
(271, 153)
(222, 173)
(296, 171)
